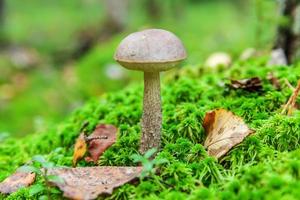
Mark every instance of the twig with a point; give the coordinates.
(89, 138)
(289, 106)
(289, 84)
(83, 126)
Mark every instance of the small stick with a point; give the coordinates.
(88, 138)
(294, 98)
(289, 106)
(83, 126)
(289, 84)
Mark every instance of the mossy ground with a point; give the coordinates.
(266, 165)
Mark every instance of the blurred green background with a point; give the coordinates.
(55, 55)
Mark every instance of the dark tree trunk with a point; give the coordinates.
(2, 23)
(1, 12)
(115, 21)
(288, 36)
(116, 14)
(153, 9)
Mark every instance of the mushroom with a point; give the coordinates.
(150, 51)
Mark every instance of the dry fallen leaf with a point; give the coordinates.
(224, 130)
(89, 182)
(101, 139)
(288, 84)
(251, 84)
(274, 80)
(79, 148)
(16, 181)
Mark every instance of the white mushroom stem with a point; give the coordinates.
(152, 114)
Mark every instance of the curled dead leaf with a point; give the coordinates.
(224, 130)
(79, 148)
(250, 84)
(16, 181)
(102, 138)
(90, 182)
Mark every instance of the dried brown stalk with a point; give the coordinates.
(290, 105)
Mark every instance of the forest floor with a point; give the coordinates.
(266, 165)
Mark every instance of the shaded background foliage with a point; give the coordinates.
(57, 54)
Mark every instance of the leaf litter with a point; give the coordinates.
(224, 130)
(84, 183)
(16, 181)
(101, 139)
(79, 148)
(253, 84)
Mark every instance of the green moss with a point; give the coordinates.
(282, 132)
(267, 162)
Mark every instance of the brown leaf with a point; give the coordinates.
(251, 84)
(102, 138)
(16, 181)
(79, 148)
(224, 130)
(90, 182)
(274, 80)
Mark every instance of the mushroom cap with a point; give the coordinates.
(151, 50)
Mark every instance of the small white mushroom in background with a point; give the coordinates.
(23, 58)
(247, 54)
(151, 51)
(115, 72)
(277, 58)
(218, 59)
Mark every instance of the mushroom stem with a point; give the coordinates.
(152, 114)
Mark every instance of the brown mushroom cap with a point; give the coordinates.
(150, 50)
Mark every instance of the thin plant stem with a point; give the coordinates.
(289, 106)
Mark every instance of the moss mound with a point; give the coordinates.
(266, 165)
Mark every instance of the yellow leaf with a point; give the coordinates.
(79, 149)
